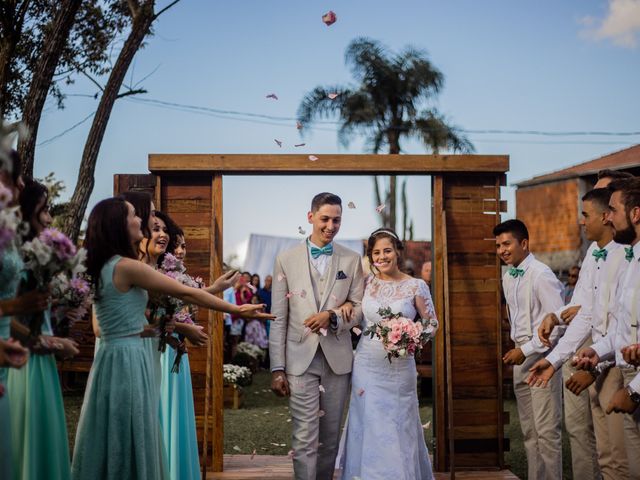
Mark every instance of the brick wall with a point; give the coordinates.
(551, 212)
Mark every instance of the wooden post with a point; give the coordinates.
(447, 337)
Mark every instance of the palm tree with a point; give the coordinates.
(390, 103)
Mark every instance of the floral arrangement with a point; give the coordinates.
(236, 375)
(70, 293)
(252, 350)
(11, 224)
(401, 336)
(48, 255)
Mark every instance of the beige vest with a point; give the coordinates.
(318, 282)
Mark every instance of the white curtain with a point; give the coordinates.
(263, 250)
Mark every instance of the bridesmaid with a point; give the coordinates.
(118, 433)
(32, 302)
(39, 430)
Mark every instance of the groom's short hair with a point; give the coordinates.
(325, 198)
(515, 227)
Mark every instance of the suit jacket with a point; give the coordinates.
(289, 347)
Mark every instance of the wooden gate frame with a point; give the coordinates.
(468, 413)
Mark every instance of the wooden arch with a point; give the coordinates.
(467, 369)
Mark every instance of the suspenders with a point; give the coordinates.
(634, 316)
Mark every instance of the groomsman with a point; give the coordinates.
(531, 290)
(624, 216)
(585, 409)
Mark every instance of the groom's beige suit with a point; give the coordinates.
(310, 360)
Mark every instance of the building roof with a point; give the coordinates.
(620, 160)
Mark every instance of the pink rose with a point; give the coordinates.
(394, 336)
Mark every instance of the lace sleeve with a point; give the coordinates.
(424, 305)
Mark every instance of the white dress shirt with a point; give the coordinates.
(322, 262)
(595, 293)
(530, 297)
(625, 316)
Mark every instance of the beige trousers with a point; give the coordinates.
(540, 413)
(579, 425)
(632, 431)
(609, 429)
(316, 418)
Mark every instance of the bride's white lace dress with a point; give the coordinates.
(385, 438)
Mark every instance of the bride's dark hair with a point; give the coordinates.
(395, 240)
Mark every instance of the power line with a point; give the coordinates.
(55, 137)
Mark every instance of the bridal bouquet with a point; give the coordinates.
(11, 224)
(71, 293)
(49, 254)
(401, 336)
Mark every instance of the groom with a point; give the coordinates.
(309, 342)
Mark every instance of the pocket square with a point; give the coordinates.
(341, 275)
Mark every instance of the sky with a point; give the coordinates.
(545, 65)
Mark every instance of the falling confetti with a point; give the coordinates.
(299, 125)
(313, 158)
(357, 331)
(272, 95)
(307, 331)
(351, 205)
(360, 392)
(288, 420)
(301, 231)
(323, 332)
(275, 444)
(299, 144)
(237, 448)
(380, 207)
(427, 425)
(329, 18)
(281, 276)
(290, 454)
(283, 444)
(334, 297)
(332, 96)
(321, 388)
(321, 413)
(253, 454)
(279, 142)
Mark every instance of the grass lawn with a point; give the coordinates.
(262, 425)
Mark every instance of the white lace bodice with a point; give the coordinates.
(399, 296)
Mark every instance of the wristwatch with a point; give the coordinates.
(633, 395)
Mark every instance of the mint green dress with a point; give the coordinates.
(118, 434)
(10, 270)
(38, 425)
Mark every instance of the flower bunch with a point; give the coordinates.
(11, 224)
(401, 336)
(73, 293)
(252, 350)
(236, 375)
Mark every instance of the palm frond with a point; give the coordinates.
(435, 133)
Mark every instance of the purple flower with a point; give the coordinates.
(62, 246)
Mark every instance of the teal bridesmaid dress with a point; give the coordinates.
(38, 426)
(178, 418)
(118, 434)
(10, 270)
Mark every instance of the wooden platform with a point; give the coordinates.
(243, 467)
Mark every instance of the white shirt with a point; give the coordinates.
(322, 262)
(530, 297)
(624, 312)
(595, 293)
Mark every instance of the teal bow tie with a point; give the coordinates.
(326, 250)
(516, 272)
(600, 253)
(628, 253)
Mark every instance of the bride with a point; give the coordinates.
(385, 438)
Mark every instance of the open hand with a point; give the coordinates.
(254, 310)
(279, 384)
(621, 403)
(514, 357)
(541, 373)
(569, 314)
(225, 281)
(194, 333)
(579, 381)
(546, 327)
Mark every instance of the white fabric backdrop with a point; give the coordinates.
(263, 250)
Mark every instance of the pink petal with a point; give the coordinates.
(281, 276)
(299, 125)
(272, 95)
(380, 207)
(323, 332)
(333, 96)
(427, 425)
(289, 294)
(301, 231)
(321, 388)
(351, 205)
(237, 448)
(299, 144)
(279, 142)
(307, 331)
(313, 158)
(329, 18)
(360, 392)
(253, 454)
(321, 413)
(334, 297)
(357, 331)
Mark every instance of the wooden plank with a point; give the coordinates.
(464, 205)
(186, 192)
(448, 351)
(182, 205)
(191, 219)
(474, 285)
(328, 164)
(457, 272)
(499, 181)
(217, 334)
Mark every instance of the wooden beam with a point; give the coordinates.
(328, 164)
(448, 351)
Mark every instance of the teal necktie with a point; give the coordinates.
(600, 254)
(326, 250)
(628, 253)
(516, 272)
